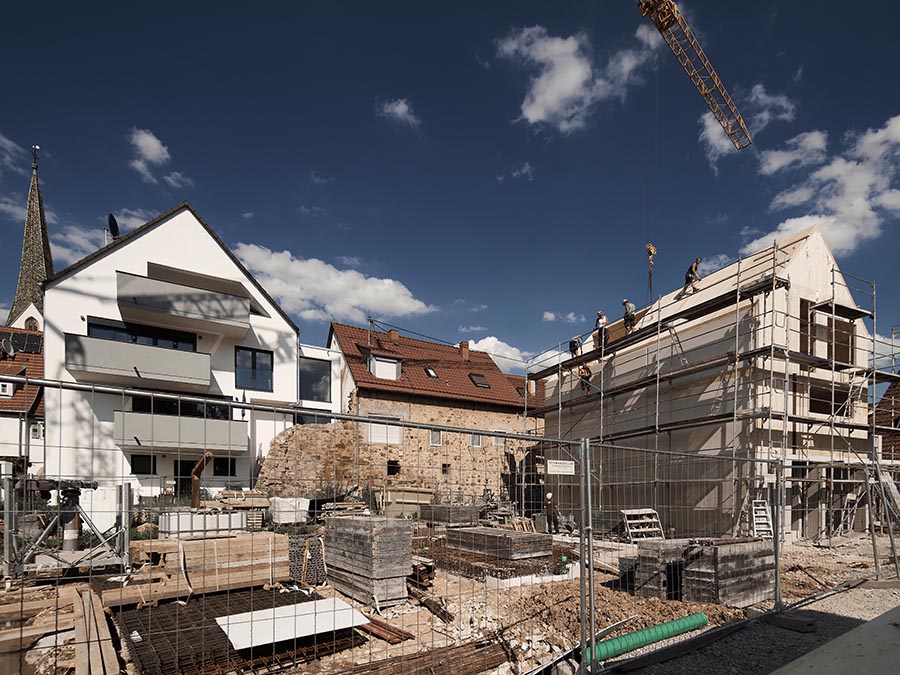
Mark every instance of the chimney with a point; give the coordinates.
(464, 350)
(394, 335)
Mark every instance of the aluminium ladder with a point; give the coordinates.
(642, 524)
(762, 519)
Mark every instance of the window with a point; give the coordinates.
(253, 368)
(151, 336)
(840, 348)
(165, 406)
(37, 431)
(393, 467)
(311, 419)
(7, 389)
(143, 465)
(475, 441)
(479, 380)
(445, 469)
(31, 324)
(386, 434)
(431, 372)
(224, 466)
(521, 391)
(384, 368)
(820, 401)
(500, 441)
(437, 438)
(315, 380)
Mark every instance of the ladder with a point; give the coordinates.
(642, 524)
(762, 519)
(676, 341)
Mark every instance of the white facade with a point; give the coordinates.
(169, 284)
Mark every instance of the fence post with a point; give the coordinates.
(589, 532)
(582, 565)
(777, 529)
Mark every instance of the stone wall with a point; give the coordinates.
(309, 460)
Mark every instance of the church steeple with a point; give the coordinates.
(37, 262)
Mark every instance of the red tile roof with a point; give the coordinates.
(452, 382)
(887, 414)
(28, 398)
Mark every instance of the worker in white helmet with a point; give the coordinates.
(552, 511)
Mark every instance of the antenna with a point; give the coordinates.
(112, 226)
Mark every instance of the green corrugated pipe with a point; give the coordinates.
(640, 638)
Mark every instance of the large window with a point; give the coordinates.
(820, 401)
(253, 368)
(315, 380)
(224, 466)
(143, 465)
(385, 368)
(164, 406)
(151, 336)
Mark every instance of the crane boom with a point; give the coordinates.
(671, 24)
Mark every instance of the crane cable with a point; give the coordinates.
(652, 182)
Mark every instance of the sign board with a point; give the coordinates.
(561, 467)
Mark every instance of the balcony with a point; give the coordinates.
(156, 302)
(125, 364)
(143, 431)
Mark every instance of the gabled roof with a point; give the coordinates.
(146, 227)
(28, 398)
(452, 381)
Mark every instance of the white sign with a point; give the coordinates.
(561, 467)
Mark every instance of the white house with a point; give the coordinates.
(165, 308)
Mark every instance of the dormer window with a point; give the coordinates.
(521, 391)
(7, 389)
(431, 372)
(479, 380)
(384, 368)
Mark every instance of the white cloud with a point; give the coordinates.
(399, 110)
(350, 260)
(4, 310)
(523, 171)
(848, 195)
(508, 358)
(13, 157)
(71, 242)
(312, 211)
(714, 262)
(129, 219)
(316, 179)
(568, 84)
(799, 74)
(176, 179)
(316, 291)
(247, 215)
(14, 207)
(150, 154)
(471, 329)
(804, 149)
(759, 109)
(568, 317)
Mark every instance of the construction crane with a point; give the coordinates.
(670, 23)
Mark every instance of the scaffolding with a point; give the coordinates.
(784, 375)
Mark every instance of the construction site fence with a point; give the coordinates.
(641, 535)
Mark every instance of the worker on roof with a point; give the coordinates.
(691, 277)
(601, 335)
(629, 320)
(575, 345)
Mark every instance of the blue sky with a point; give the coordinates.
(482, 171)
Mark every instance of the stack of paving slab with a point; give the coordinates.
(448, 515)
(498, 543)
(369, 558)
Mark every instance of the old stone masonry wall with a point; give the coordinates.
(310, 460)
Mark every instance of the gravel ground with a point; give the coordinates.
(763, 648)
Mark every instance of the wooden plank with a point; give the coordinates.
(107, 651)
(90, 622)
(16, 639)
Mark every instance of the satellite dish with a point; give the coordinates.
(7, 347)
(113, 226)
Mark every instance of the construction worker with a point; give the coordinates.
(629, 319)
(601, 335)
(691, 277)
(552, 511)
(575, 345)
(584, 376)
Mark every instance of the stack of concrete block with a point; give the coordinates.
(369, 558)
(660, 563)
(731, 573)
(497, 543)
(448, 515)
